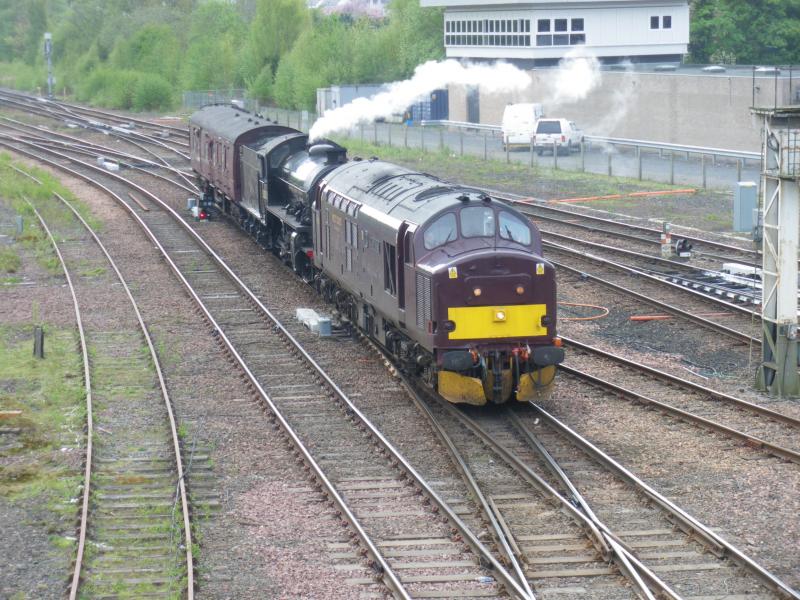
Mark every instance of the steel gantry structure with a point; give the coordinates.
(780, 203)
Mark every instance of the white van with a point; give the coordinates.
(519, 123)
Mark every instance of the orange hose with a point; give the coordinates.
(603, 313)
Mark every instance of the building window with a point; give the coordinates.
(576, 35)
(666, 22)
(653, 22)
(490, 27)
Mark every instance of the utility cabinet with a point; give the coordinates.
(745, 204)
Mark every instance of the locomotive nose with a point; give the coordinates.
(505, 296)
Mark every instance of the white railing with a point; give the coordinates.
(636, 144)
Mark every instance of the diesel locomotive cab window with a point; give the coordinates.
(512, 228)
(477, 221)
(441, 231)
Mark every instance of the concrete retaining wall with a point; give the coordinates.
(690, 109)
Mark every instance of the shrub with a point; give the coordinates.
(152, 91)
(261, 87)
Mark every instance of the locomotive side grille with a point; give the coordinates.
(423, 300)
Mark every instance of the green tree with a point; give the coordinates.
(211, 54)
(273, 32)
(759, 31)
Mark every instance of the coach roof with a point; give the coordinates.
(228, 122)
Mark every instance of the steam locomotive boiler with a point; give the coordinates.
(449, 281)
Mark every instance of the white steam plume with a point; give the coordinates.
(498, 77)
(625, 95)
(578, 74)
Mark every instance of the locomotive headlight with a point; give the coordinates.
(477, 291)
(520, 290)
(499, 315)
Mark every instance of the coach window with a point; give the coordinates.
(513, 229)
(441, 231)
(477, 221)
(666, 22)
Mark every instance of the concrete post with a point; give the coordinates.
(703, 166)
(609, 164)
(461, 141)
(671, 167)
(639, 160)
(555, 156)
(485, 146)
(583, 157)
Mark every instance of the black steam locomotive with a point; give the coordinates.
(450, 282)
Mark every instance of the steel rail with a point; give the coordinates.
(87, 475)
(94, 125)
(688, 523)
(628, 559)
(463, 469)
(696, 387)
(180, 483)
(540, 205)
(706, 323)
(654, 259)
(468, 536)
(774, 449)
(66, 107)
(523, 208)
(608, 545)
(217, 331)
(181, 474)
(95, 151)
(18, 125)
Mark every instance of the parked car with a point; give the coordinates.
(519, 123)
(561, 134)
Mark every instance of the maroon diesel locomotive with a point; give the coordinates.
(449, 281)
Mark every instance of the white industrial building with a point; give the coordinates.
(541, 33)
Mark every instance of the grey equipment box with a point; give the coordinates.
(745, 203)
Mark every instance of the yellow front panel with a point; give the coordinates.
(485, 322)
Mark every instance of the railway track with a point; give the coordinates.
(754, 425)
(673, 300)
(408, 516)
(713, 282)
(579, 218)
(134, 533)
(111, 124)
(66, 143)
(626, 541)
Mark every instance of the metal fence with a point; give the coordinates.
(200, 98)
(639, 159)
